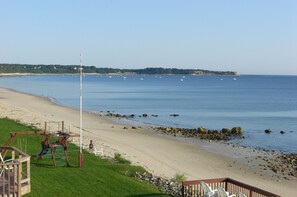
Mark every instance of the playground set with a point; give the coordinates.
(50, 141)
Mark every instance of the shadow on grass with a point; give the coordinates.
(43, 165)
(48, 165)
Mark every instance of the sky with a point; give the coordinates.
(246, 36)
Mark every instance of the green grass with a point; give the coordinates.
(98, 177)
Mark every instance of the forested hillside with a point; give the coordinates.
(72, 69)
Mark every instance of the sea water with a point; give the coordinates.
(254, 103)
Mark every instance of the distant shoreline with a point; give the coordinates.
(75, 69)
(126, 74)
(116, 74)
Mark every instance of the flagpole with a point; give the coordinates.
(80, 155)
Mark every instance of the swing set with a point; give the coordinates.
(50, 142)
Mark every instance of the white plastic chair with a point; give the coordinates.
(223, 193)
(240, 194)
(208, 192)
(98, 152)
(5, 167)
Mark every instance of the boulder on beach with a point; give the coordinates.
(202, 130)
(236, 130)
(226, 130)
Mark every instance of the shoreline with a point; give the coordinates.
(160, 154)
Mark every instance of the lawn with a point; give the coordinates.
(98, 177)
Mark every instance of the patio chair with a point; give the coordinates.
(223, 193)
(240, 194)
(208, 192)
(5, 167)
(98, 152)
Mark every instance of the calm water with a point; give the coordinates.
(253, 102)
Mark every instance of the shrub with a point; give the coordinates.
(179, 177)
(118, 157)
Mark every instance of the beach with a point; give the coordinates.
(160, 154)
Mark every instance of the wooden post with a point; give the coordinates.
(28, 174)
(53, 156)
(19, 184)
(13, 154)
(80, 160)
(63, 126)
(66, 157)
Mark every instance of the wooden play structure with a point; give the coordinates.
(15, 163)
(15, 172)
(50, 141)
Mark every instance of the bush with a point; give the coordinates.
(118, 157)
(179, 177)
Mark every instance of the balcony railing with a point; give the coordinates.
(15, 173)
(194, 188)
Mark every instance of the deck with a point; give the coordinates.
(194, 188)
(15, 173)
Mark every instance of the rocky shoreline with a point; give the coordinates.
(205, 134)
(224, 134)
(171, 187)
(280, 164)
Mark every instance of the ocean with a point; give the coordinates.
(252, 102)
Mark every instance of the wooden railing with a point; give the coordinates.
(194, 188)
(15, 173)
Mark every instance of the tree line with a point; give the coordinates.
(74, 69)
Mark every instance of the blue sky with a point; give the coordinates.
(247, 36)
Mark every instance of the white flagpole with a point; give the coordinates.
(80, 156)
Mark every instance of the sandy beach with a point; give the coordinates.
(159, 154)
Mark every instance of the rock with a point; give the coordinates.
(134, 127)
(202, 133)
(170, 187)
(275, 169)
(268, 131)
(226, 130)
(236, 130)
(202, 130)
